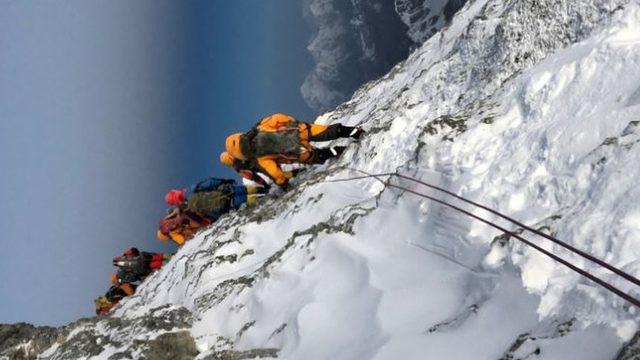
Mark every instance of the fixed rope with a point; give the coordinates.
(555, 240)
(580, 271)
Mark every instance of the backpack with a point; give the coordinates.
(211, 197)
(285, 142)
(127, 276)
(210, 203)
(128, 263)
(133, 265)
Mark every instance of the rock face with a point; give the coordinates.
(179, 346)
(630, 351)
(25, 341)
(426, 17)
(361, 40)
(90, 337)
(529, 106)
(354, 42)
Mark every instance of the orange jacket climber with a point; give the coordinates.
(281, 139)
(112, 297)
(180, 225)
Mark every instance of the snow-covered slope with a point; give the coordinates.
(530, 107)
(353, 42)
(426, 17)
(360, 40)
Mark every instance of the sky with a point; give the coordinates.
(106, 105)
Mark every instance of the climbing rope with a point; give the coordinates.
(563, 244)
(580, 271)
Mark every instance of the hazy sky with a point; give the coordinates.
(104, 106)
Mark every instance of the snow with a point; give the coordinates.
(424, 17)
(350, 270)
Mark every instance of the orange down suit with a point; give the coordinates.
(278, 122)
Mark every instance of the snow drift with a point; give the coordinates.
(530, 107)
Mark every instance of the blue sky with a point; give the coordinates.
(104, 106)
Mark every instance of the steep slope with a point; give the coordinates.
(353, 42)
(360, 40)
(530, 107)
(426, 17)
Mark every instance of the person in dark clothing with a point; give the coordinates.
(134, 265)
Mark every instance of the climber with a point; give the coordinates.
(281, 139)
(202, 204)
(213, 197)
(134, 265)
(180, 225)
(113, 296)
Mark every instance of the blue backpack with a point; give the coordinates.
(210, 184)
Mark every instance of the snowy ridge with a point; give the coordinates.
(426, 17)
(354, 41)
(517, 105)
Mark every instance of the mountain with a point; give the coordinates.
(530, 107)
(354, 41)
(426, 17)
(361, 40)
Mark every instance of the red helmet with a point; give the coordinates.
(175, 197)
